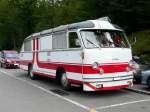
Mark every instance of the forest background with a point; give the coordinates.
(20, 18)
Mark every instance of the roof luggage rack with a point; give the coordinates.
(104, 19)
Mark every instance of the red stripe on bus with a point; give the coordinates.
(84, 69)
(33, 58)
(107, 69)
(78, 68)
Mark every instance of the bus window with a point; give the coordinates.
(27, 45)
(74, 41)
(59, 40)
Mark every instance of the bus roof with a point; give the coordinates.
(101, 23)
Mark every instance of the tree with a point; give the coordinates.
(20, 18)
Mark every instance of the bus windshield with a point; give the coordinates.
(104, 39)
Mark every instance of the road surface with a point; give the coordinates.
(18, 93)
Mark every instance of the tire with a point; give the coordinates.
(148, 83)
(4, 66)
(137, 81)
(64, 81)
(30, 74)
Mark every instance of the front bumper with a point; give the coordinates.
(12, 65)
(107, 83)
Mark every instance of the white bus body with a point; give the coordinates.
(93, 53)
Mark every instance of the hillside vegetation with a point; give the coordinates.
(142, 46)
(20, 18)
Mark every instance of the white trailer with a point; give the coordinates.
(94, 54)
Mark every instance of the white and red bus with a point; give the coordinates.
(94, 54)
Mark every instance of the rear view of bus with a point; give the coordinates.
(107, 59)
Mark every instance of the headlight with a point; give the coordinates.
(95, 66)
(8, 61)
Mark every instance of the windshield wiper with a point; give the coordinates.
(92, 43)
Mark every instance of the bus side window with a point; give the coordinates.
(27, 45)
(74, 41)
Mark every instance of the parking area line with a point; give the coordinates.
(122, 104)
(49, 92)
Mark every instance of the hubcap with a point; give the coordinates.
(31, 74)
(64, 80)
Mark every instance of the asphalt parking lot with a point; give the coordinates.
(18, 93)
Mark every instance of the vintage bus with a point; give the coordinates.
(94, 54)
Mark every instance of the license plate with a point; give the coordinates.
(98, 85)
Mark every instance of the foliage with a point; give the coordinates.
(20, 18)
(142, 46)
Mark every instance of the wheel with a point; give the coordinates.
(137, 80)
(64, 81)
(4, 65)
(148, 82)
(30, 72)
